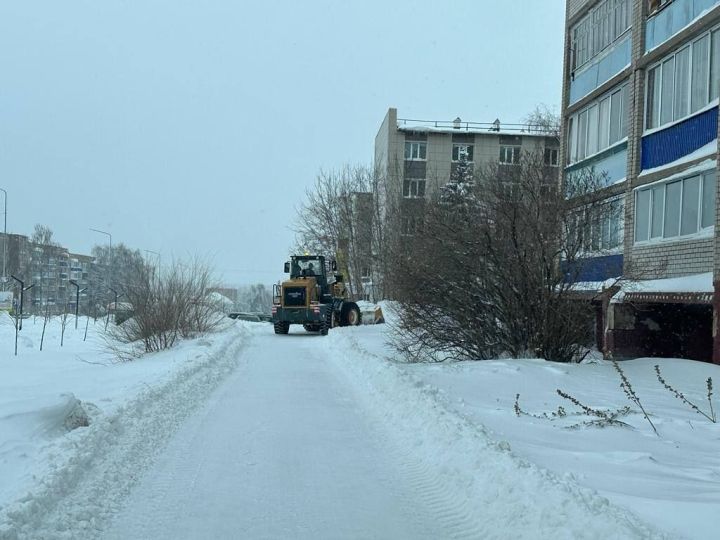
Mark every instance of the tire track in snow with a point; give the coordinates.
(94, 469)
(474, 485)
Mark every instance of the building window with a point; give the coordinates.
(460, 150)
(603, 25)
(599, 126)
(510, 155)
(600, 227)
(676, 208)
(415, 150)
(413, 188)
(411, 225)
(684, 82)
(551, 157)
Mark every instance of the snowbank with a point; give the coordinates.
(480, 480)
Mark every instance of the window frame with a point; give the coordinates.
(700, 208)
(514, 156)
(690, 85)
(414, 193)
(470, 155)
(554, 160)
(418, 145)
(603, 227)
(616, 124)
(602, 26)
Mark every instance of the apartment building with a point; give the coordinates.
(49, 269)
(420, 156)
(641, 82)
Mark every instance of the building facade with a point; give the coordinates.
(419, 157)
(641, 82)
(49, 269)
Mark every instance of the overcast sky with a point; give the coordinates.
(194, 128)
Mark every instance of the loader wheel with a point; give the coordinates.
(282, 327)
(328, 323)
(350, 315)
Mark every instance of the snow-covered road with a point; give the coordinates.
(245, 434)
(281, 450)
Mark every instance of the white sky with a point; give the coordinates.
(195, 127)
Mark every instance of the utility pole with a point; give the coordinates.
(5, 239)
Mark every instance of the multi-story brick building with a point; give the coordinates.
(641, 82)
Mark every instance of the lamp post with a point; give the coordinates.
(158, 259)
(78, 290)
(19, 313)
(4, 274)
(114, 306)
(108, 274)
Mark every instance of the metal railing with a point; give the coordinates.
(460, 125)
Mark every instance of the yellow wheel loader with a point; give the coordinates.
(311, 299)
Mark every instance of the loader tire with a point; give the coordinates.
(282, 327)
(350, 315)
(327, 324)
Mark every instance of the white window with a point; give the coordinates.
(510, 155)
(684, 82)
(462, 150)
(599, 125)
(677, 208)
(414, 188)
(415, 150)
(600, 227)
(715, 65)
(551, 157)
(603, 25)
(701, 73)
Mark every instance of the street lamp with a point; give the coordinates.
(78, 290)
(115, 307)
(19, 312)
(158, 259)
(4, 274)
(108, 274)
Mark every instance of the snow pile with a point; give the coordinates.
(67, 463)
(478, 480)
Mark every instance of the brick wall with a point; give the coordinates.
(575, 6)
(673, 259)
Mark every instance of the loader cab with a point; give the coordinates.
(307, 266)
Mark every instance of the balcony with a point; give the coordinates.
(672, 18)
(601, 69)
(679, 140)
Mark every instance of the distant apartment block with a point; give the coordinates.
(49, 269)
(641, 82)
(420, 156)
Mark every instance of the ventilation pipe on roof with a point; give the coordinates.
(456, 123)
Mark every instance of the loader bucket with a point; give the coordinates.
(372, 315)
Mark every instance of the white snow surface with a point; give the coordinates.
(245, 434)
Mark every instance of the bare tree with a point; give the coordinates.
(343, 216)
(64, 317)
(543, 119)
(167, 306)
(488, 273)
